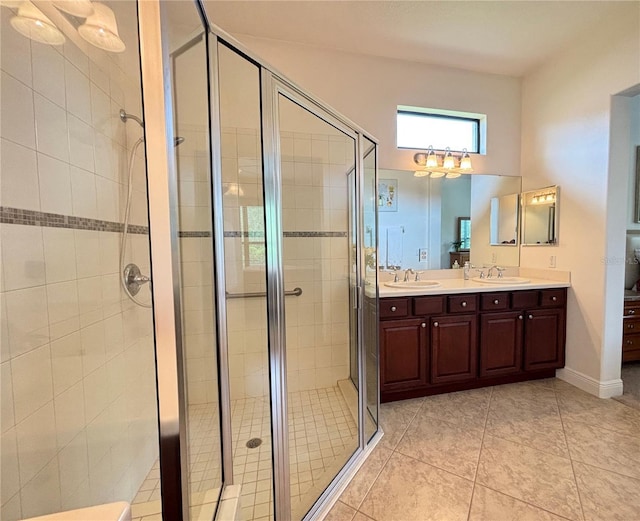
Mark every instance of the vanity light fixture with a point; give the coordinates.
(100, 29)
(543, 198)
(34, 24)
(430, 163)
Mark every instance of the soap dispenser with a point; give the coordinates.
(456, 266)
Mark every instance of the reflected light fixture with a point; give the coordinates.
(430, 163)
(80, 8)
(32, 23)
(100, 29)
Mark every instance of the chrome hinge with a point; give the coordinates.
(356, 297)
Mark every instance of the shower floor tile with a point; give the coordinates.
(322, 436)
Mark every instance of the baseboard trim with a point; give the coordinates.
(601, 389)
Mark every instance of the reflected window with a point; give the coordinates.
(252, 226)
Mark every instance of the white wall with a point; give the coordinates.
(456, 202)
(368, 90)
(566, 141)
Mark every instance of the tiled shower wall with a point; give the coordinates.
(77, 357)
(315, 222)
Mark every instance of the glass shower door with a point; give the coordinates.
(317, 162)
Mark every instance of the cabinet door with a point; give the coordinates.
(453, 349)
(403, 354)
(500, 343)
(544, 335)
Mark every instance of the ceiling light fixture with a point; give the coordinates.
(100, 29)
(32, 23)
(430, 163)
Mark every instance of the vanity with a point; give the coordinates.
(465, 334)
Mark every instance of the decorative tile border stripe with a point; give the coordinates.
(54, 220)
(287, 234)
(187, 235)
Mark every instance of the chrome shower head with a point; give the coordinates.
(124, 117)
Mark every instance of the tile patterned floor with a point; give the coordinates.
(322, 436)
(532, 451)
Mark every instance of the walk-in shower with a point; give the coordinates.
(181, 324)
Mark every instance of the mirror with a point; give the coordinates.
(504, 220)
(540, 217)
(438, 221)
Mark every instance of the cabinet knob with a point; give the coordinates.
(630, 326)
(424, 324)
(629, 342)
(554, 298)
(435, 324)
(632, 312)
(496, 302)
(464, 304)
(393, 308)
(530, 317)
(520, 317)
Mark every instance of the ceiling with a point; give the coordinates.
(500, 37)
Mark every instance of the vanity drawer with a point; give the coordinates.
(552, 297)
(632, 308)
(428, 305)
(630, 342)
(630, 326)
(494, 301)
(394, 307)
(524, 299)
(462, 303)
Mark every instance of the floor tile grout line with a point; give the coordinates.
(573, 470)
(525, 502)
(475, 474)
(373, 482)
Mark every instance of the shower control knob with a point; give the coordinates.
(393, 308)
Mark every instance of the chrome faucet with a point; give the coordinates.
(490, 272)
(407, 272)
(498, 269)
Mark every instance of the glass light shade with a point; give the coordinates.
(432, 159)
(81, 8)
(435, 175)
(453, 175)
(101, 30)
(448, 162)
(465, 161)
(420, 173)
(32, 23)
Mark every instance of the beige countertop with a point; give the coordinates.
(452, 282)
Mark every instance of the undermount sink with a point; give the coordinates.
(502, 280)
(414, 284)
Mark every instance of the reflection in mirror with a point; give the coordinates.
(504, 220)
(539, 217)
(423, 232)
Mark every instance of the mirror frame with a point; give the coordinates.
(523, 195)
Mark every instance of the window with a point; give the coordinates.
(439, 129)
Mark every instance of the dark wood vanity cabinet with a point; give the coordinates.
(453, 342)
(631, 331)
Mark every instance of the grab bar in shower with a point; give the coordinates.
(295, 292)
